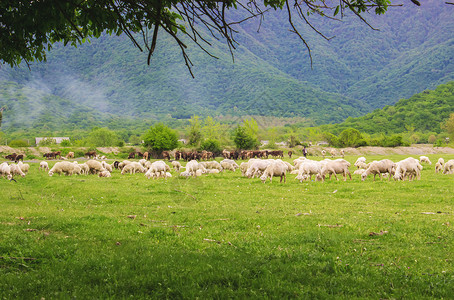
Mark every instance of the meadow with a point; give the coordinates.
(225, 236)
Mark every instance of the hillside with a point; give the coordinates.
(357, 71)
(423, 112)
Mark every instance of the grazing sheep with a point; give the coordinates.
(257, 168)
(209, 165)
(16, 170)
(276, 168)
(425, 159)
(323, 153)
(213, 171)
(94, 167)
(438, 167)
(106, 166)
(441, 161)
(44, 166)
(185, 174)
(359, 171)
(70, 155)
(142, 162)
(157, 169)
(132, 168)
(192, 167)
(104, 174)
(332, 152)
(449, 167)
(342, 153)
(232, 162)
(408, 167)
(123, 164)
(176, 165)
(23, 167)
(309, 168)
(5, 170)
(360, 163)
(378, 168)
(338, 166)
(62, 167)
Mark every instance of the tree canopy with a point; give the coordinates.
(29, 28)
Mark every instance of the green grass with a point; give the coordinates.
(225, 236)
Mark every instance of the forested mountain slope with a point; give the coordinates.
(352, 74)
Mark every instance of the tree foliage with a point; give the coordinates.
(28, 28)
(160, 138)
(102, 137)
(243, 138)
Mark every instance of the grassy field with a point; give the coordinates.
(225, 236)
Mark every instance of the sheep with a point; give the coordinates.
(232, 162)
(257, 168)
(323, 153)
(5, 170)
(132, 168)
(332, 152)
(438, 167)
(309, 168)
(176, 165)
(192, 167)
(70, 155)
(227, 166)
(142, 162)
(360, 163)
(105, 174)
(44, 166)
(16, 170)
(23, 167)
(425, 159)
(410, 167)
(449, 167)
(94, 167)
(338, 166)
(379, 167)
(288, 166)
(185, 174)
(214, 171)
(359, 171)
(276, 168)
(157, 169)
(213, 165)
(342, 153)
(62, 167)
(106, 166)
(84, 169)
(123, 164)
(441, 161)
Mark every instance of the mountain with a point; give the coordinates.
(422, 112)
(357, 71)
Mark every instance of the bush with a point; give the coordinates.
(65, 143)
(18, 143)
(47, 142)
(243, 140)
(351, 138)
(211, 145)
(160, 138)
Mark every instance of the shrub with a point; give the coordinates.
(160, 138)
(65, 143)
(243, 140)
(211, 145)
(18, 143)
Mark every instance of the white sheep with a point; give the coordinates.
(342, 153)
(16, 170)
(425, 159)
(441, 161)
(106, 166)
(257, 167)
(332, 152)
(123, 164)
(449, 167)
(438, 167)
(360, 163)
(232, 162)
(378, 168)
(44, 166)
(323, 153)
(309, 168)
(176, 165)
(5, 171)
(94, 167)
(338, 166)
(23, 167)
(105, 174)
(408, 167)
(157, 169)
(359, 171)
(276, 168)
(227, 166)
(132, 168)
(62, 167)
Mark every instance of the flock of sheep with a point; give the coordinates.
(264, 169)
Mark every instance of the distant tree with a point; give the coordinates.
(211, 145)
(160, 138)
(351, 138)
(243, 139)
(211, 129)
(102, 137)
(135, 140)
(432, 138)
(194, 132)
(449, 126)
(29, 28)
